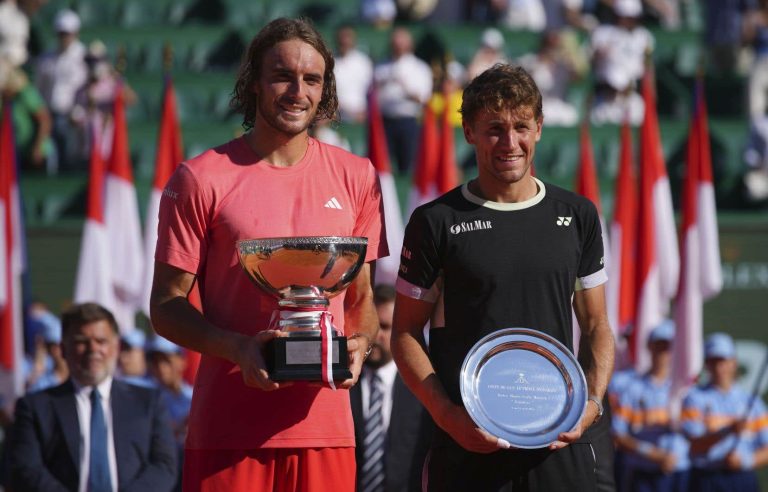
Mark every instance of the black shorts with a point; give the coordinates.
(571, 469)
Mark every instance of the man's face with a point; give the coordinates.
(132, 361)
(661, 353)
(290, 87)
(381, 353)
(505, 143)
(91, 352)
(168, 369)
(721, 370)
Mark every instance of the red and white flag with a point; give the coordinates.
(424, 188)
(121, 216)
(447, 175)
(93, 282)
(658, 261)
(701, 274)
(587, 186)
(620, 295)
(168, 155)
(387, 267)
(12, 265)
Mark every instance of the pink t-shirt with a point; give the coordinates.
(225, 195)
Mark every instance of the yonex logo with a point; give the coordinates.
(333, 203)
(564, 221)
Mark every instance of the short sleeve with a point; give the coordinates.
(692, 416)
(591, 271)
(370, 218)
(419, 260)
(183, 222)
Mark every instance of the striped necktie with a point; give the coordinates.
(372, 473)
(98, 470)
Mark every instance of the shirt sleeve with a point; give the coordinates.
(692, 416)
(370, 218)
(591, 271)
(183, 222)
(419, 260)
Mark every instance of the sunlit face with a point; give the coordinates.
(290, 87)
(91, 352)
(505, 143)
(722, 371)
(381, 352)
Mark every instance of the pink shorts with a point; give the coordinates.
(270, 470)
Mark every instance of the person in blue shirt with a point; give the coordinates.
(656, 457)
(727, 427)
(132, 361)
(49, 356)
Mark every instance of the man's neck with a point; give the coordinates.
(276, 148)
(494, 191)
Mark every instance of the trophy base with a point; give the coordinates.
(298, 359)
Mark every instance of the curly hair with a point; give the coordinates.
(244, 100)
(501, 87)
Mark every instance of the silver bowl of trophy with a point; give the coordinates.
(523, 386)
(303, 274)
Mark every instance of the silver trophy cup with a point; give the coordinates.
(303, 273)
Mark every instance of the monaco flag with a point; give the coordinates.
(168, 155)
(621, 283)
(587, 186)
(387, 267)
(447, 175)
(11, 270)
(700, 275)
(121, 216)
(424, 176)
(93, 282)
(658, 262)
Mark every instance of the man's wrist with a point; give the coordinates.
(599, 404)
(368, 342)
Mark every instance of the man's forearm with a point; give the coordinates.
(596, 356)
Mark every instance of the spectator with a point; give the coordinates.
(618, 58)
(403, 85)
(527, 15)
(354, 73)
(656, 457)
(391, 426)
(379, 13)
(727, 427)
(31, 119)
(58, 76)
(132, 361)
(14, 33)
(490, 52)
(49, 347)
(723, 32)
(756, 35)
(92, 432)
(553, 70)
(452, 82)
(167, 364)
(756, 158)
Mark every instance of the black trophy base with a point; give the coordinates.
(299, 359)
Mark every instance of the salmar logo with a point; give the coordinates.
(475, 225)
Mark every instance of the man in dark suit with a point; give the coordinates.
(391, 444)
(93, 432)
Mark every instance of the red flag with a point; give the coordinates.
(121, 216)
(658, 262)
(424, 189)
(587, 185)
(700, 274)
(387, 267)
(93, 282)
(11, 269)
(621, 295)
(447, 173)
(168, 155)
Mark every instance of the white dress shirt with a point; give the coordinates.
(404, 86)
(83, 400)
(354, 72)
(387, 374)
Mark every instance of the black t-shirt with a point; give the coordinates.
(503, 266)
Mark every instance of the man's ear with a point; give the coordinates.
(468, 136)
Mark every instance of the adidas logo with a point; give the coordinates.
(564, 221)
(333, 203)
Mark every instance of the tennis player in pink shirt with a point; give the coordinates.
(247, 432)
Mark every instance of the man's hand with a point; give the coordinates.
(733, 461)
(356, 348)
(457, 423)
(566, 438)
(250, 358)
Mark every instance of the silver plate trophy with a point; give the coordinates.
(523, 386)
(303, 273)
